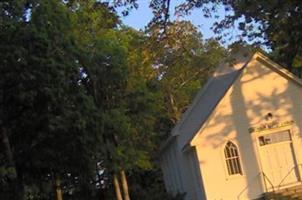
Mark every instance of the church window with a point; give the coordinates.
(232, 159)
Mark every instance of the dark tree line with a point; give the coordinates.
(85, 101)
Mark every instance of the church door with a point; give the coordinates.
(278, 159)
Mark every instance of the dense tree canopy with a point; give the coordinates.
(274, 24)
(76, 99)
(183, 62)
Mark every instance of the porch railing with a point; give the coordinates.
(289, 172)
(267, 181)
(242, 192)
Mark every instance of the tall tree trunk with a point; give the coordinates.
(8, 153)
(117, 187)
(59, 189)
(125, 185)
(15, 180)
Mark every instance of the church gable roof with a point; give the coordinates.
(215, 89)
(208, 98)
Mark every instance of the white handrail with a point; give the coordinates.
(239, 195)
(264, 178)
(289, 172)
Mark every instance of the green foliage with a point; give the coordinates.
(40, 95)
(119, 89)
(275, 24)
(150, 188)
(82, 97)
(183, 62)
(278, 23)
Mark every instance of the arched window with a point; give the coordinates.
(232, 159)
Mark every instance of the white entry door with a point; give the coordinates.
(278, 159)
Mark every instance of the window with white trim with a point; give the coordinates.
(232, 159)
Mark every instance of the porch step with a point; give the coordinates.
(292, 193)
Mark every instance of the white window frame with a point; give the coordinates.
(232, 159)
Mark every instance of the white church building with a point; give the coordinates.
(242, 136)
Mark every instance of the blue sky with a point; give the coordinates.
(139, 18)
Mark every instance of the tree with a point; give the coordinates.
(180, 62)
(183, 62)
(275, 24)
(120, 86)
(45, 111)
(83, 98)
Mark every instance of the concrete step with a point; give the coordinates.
(294, 188)
(292, 193)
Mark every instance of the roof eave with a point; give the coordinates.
(279, 68)
(166, 143)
